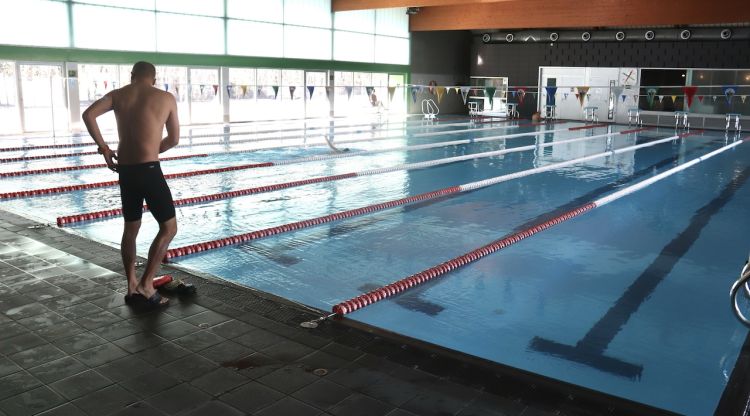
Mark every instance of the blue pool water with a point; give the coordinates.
(628, 299)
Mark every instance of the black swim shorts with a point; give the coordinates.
(145, 181)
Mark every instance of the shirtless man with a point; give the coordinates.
(141, 111)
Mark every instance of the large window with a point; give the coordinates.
(9, 120)
(99, 27)
(34, 23)
(255, 38)
(189, 34)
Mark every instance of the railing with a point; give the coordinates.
(430, 109)
(741, 283)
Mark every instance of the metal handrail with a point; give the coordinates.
(740, 283)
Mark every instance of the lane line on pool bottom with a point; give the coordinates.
(236, 239)
(96, 215)
(426, 275)
(94, 185)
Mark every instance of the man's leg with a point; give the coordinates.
(127, 250)
(167, 231)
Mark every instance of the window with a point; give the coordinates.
(35, 23)
(133, 4)
(307, 43)
(110, 28)
(189, 34)
(199, 7)
(259, 10)
(389, 50)
(316, 13)
(393, 22)
(349, 46)
(255, 39)
(355, 21)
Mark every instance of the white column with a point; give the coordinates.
(223, 83)
(19, 98)
(332, 85)
(74, 99)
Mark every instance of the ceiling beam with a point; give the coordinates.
(529, 14)
(347, 5)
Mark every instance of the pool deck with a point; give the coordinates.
(70, 346)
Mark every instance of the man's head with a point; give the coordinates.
(143, 72)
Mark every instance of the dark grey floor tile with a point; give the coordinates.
(105, 401)
(80, 310)
(219, 381)
(287, 351)
(163, 354)
(151, 320)
(255, 365)
(99, 320)
(138, 409)
(37, 355)
(320, 359)
(26, 311)
(109, 300)
(139, 342)
(61, 302)
(67, 409)
(312, 341)
(401, 412)
(49, 272)
(12, 329)
(150, 384)
(361, 405)
(17, 383)
(57, 369)
(251, 397)
(432, 402)
(118, 330)
(125, 368)
(190, 367)
(198, 340)
(322, 394)
(259, 339)
(42, 320)
(183, 310)
(79, 342)
(231, 329)
(81, 384)
(20, 343)
(8, 367)
(62, 330)
(289, 406)
(175, 329)
(489, 405)
(226, 351)
(31, 402)
(355, 377)
(215, 408)
(180, 398)
(207, 319)
(391, 390)
(100, 355)
(342, 351)
(288, 379)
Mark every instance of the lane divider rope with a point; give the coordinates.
(96, 215)
(236, 239)
(384, 292)
(83, 167)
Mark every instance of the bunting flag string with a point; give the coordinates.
(275, 91)
(329, 92)
(715, 98)
(413, 91)
(551, 91)
(201, 88)
(689, 91)
(457, 89)
(465, 93)
(650, 94)
(624, 97)
(521, 95)
(635, 98)
(490, 93)
(439, 91)
(700, 98)
(310, 89)
(349, 90)
(391, 92)
(565, 96)
(743, 98)
(244, 90)
(177, 89)
(291, 91)
(105, 85)
(581, 94)
(166, 87)
(229, 90)
(369, 90)
(674, 98)
(729, 91)
(96, 85)
(216, 88)
(617, 91)
(661, 98)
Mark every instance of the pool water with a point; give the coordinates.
(629, 299)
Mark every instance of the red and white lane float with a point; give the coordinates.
(416, 279)
(236, 239)
(76, 218)
(82, 167)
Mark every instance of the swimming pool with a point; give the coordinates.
(629, 299)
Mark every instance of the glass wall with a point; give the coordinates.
(9, 112)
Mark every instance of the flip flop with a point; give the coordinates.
(133, 298)
(179, 287)
(155, 301)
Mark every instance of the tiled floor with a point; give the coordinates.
(70, 346)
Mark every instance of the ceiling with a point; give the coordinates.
(537, 14)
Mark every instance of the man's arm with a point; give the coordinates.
(173, 127)
(89, 116)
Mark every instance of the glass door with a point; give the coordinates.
(10, 116)
(44, 98)
(205, 97)
(316, 99)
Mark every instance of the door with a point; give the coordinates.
(43, 93)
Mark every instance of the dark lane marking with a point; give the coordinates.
(411, 300)
(590, 349)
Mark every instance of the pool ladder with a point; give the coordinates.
(741, 283)
(429, 109)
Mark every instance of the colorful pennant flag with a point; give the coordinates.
(581, 94)
(650, 94)
(715, 98)
(391, 92)
(310, 89)
(729, 91)
(457, 89)
(674, 98)
(689, 91)
(275, 91)
(565, 96)
(329, 92)
(369, 91)
(166, 87)
(743, 98)
(177, 89)
(201, 88)
(349, 90)
(617, 91)
(465, 93)
(431, 87)
(700, 98)
(661, 98)
(291, 91)
(635, 98)
(489, 92)
(105, 85)
(244, 90)
(216, 88)
(229, 90)
(440, 91)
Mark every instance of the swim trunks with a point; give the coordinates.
(145, 181)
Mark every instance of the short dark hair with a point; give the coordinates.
(143, 69)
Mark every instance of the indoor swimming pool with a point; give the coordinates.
(629, 299)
